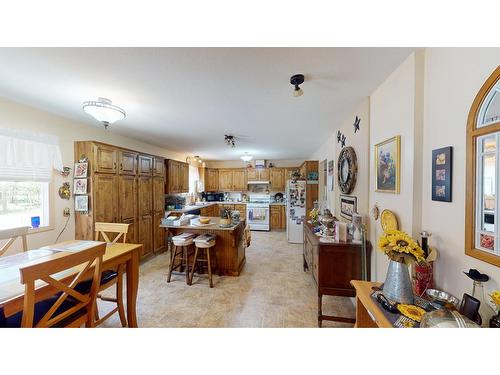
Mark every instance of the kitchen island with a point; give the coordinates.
(229, 246)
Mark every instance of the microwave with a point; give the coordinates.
(213, 197)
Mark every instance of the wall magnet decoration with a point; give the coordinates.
(65, 191)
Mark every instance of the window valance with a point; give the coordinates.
(28, 156)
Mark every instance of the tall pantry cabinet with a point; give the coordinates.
(124, 186)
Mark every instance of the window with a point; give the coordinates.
(27, 162)
(482, 234)
(20, 202)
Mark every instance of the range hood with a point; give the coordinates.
(258, 182)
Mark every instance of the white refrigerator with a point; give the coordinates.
(295, 210)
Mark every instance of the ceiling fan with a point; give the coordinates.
(230, 139)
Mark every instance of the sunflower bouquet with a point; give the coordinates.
(495, 298)
(400, 247)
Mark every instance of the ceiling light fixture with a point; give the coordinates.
(297, 80)
(246, 158)
(104, 111)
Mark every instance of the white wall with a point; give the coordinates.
(453, 77)
(392, 113)
(426, 100)
(330, 149)
(17, 116)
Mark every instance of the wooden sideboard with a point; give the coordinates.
(333, 266)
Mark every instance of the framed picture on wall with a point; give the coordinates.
(387, 165)
(348, 206)
(330, 175)
(442, 159)
(81, 170)
(81, 203)
(80, 186)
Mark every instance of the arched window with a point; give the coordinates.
(482, 224)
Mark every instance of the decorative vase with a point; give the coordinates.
(495, 321)
(397, 285)
(422, 277)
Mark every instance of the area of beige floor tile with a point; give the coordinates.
(272, 291)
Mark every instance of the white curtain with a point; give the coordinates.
(194, 177)
(28, 156)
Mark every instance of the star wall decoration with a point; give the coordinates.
(342, 140)
(356, 124)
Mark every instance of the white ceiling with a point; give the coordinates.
(186, 99)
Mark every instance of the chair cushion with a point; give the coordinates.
(183, 242)
(83, 287)
(41, 309)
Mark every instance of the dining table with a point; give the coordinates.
(12, 290)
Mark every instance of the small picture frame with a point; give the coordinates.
(81, 170)
(387, 165)
(81, 203)
(348, 206)
(80, 186)
(442, 168)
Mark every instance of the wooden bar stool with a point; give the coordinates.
(207, 248)
(181, 250)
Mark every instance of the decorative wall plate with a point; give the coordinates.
(388, 220)
(347, 168)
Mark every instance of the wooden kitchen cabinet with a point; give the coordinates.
(177, 177)
(127, 191)
(104, 159)
(211, 179)
(225, 179)
(145, 164)
(258, 174)
(122, 189)
(240, 180)
(105, 186)
(277, 179)
(159, 167)
(127, 162)
(277, 219)
(284, 219)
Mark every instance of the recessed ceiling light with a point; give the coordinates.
(104, 111)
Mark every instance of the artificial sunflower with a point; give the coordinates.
(396, 244)
(411, 311)
(495, 298)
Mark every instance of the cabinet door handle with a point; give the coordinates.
(121, 166)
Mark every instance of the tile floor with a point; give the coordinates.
(272, 291)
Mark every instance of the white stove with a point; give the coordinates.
(258, 211)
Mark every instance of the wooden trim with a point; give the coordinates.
(470, 180)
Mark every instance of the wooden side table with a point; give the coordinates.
(368, 313)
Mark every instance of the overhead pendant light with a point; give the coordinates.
(104, 111)
(297, 80)
(246, 158)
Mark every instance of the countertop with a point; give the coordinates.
(190, 208)
(213, 226)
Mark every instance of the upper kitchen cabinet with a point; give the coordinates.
(240, 182)
(159, 167)
(104, 158)
(145, 165)
(211, 179)
(225, 179)
(277, 179)
(127, 162)
(177, 177)
(233, 179)
(258, 174)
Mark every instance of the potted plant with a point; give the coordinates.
(495, 319)
(401, 250)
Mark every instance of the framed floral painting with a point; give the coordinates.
(387, 165)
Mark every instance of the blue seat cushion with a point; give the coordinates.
(83, 287)
(41, 309)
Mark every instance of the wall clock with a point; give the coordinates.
(347, 168)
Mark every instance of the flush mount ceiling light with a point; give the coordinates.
(104, 111)
(246, 158)
(297, 80)
(198, 159)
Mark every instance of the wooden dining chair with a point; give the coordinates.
(66, 307)
(11, 235)
(112, 277)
